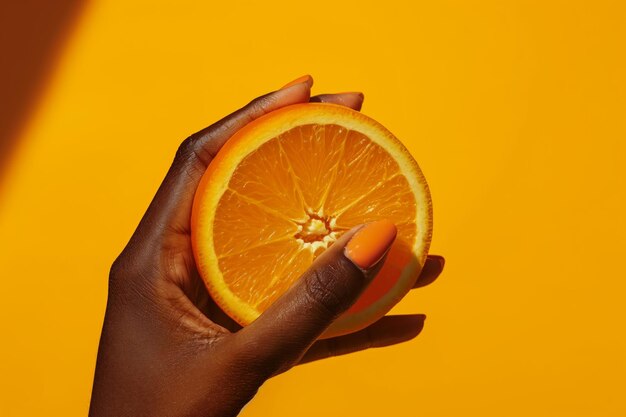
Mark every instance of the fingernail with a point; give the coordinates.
(353, 99)
(354, 93)
(304, 79)
(370, 243)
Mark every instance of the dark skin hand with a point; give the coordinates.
(166, 348)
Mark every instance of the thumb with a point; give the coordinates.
(327, 289)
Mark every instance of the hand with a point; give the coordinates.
(167, 350)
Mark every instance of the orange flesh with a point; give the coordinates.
(294, 196)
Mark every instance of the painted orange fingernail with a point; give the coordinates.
(370, 243)
(305, 78)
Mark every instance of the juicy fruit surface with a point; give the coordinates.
(294, 196)
(290, 198)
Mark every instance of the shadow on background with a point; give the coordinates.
(32, 33)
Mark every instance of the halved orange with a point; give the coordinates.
(285, 187)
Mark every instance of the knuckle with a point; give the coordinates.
(326, 292)
(185, 149)
(116, 268)
(116, 274)
(191, 150)
(261, 101)
(126, 270)
(260, 104)
(129, 281)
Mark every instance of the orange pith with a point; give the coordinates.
(284, 188)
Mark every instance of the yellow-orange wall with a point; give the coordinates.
(515, 110)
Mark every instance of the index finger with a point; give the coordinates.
(172, 203)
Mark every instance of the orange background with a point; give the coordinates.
(516, 112)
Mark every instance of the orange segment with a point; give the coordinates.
(390, 199)
(285, 187)
(237, 216)
(263, 176)
(314, 152)
(363, 168)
